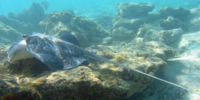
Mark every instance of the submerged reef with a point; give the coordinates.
(136, 37)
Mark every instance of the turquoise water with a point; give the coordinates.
(88, 7)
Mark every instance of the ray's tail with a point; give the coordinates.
(96, 57)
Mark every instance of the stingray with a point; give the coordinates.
(60, 54)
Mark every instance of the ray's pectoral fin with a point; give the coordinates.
(45, 51)
(73, 62)
(72, 56)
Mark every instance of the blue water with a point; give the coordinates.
(88, 7)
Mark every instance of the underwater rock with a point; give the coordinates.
(105, 21)
(32, 15)
(122, 33)
(10, 90)
(27, 21)
(171, 37)
(175, 18)
(86, 31)
(181, 14)
(194, 24)
(189, 41)
(132, 24)
(8, 34)
(195, 12)
(17, 25)
(3, 53)
(170, 23)
(134, 10)
(125, 29)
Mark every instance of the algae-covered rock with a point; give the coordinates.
(85, 30)
(134, 10)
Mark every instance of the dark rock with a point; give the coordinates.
(134, 10)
